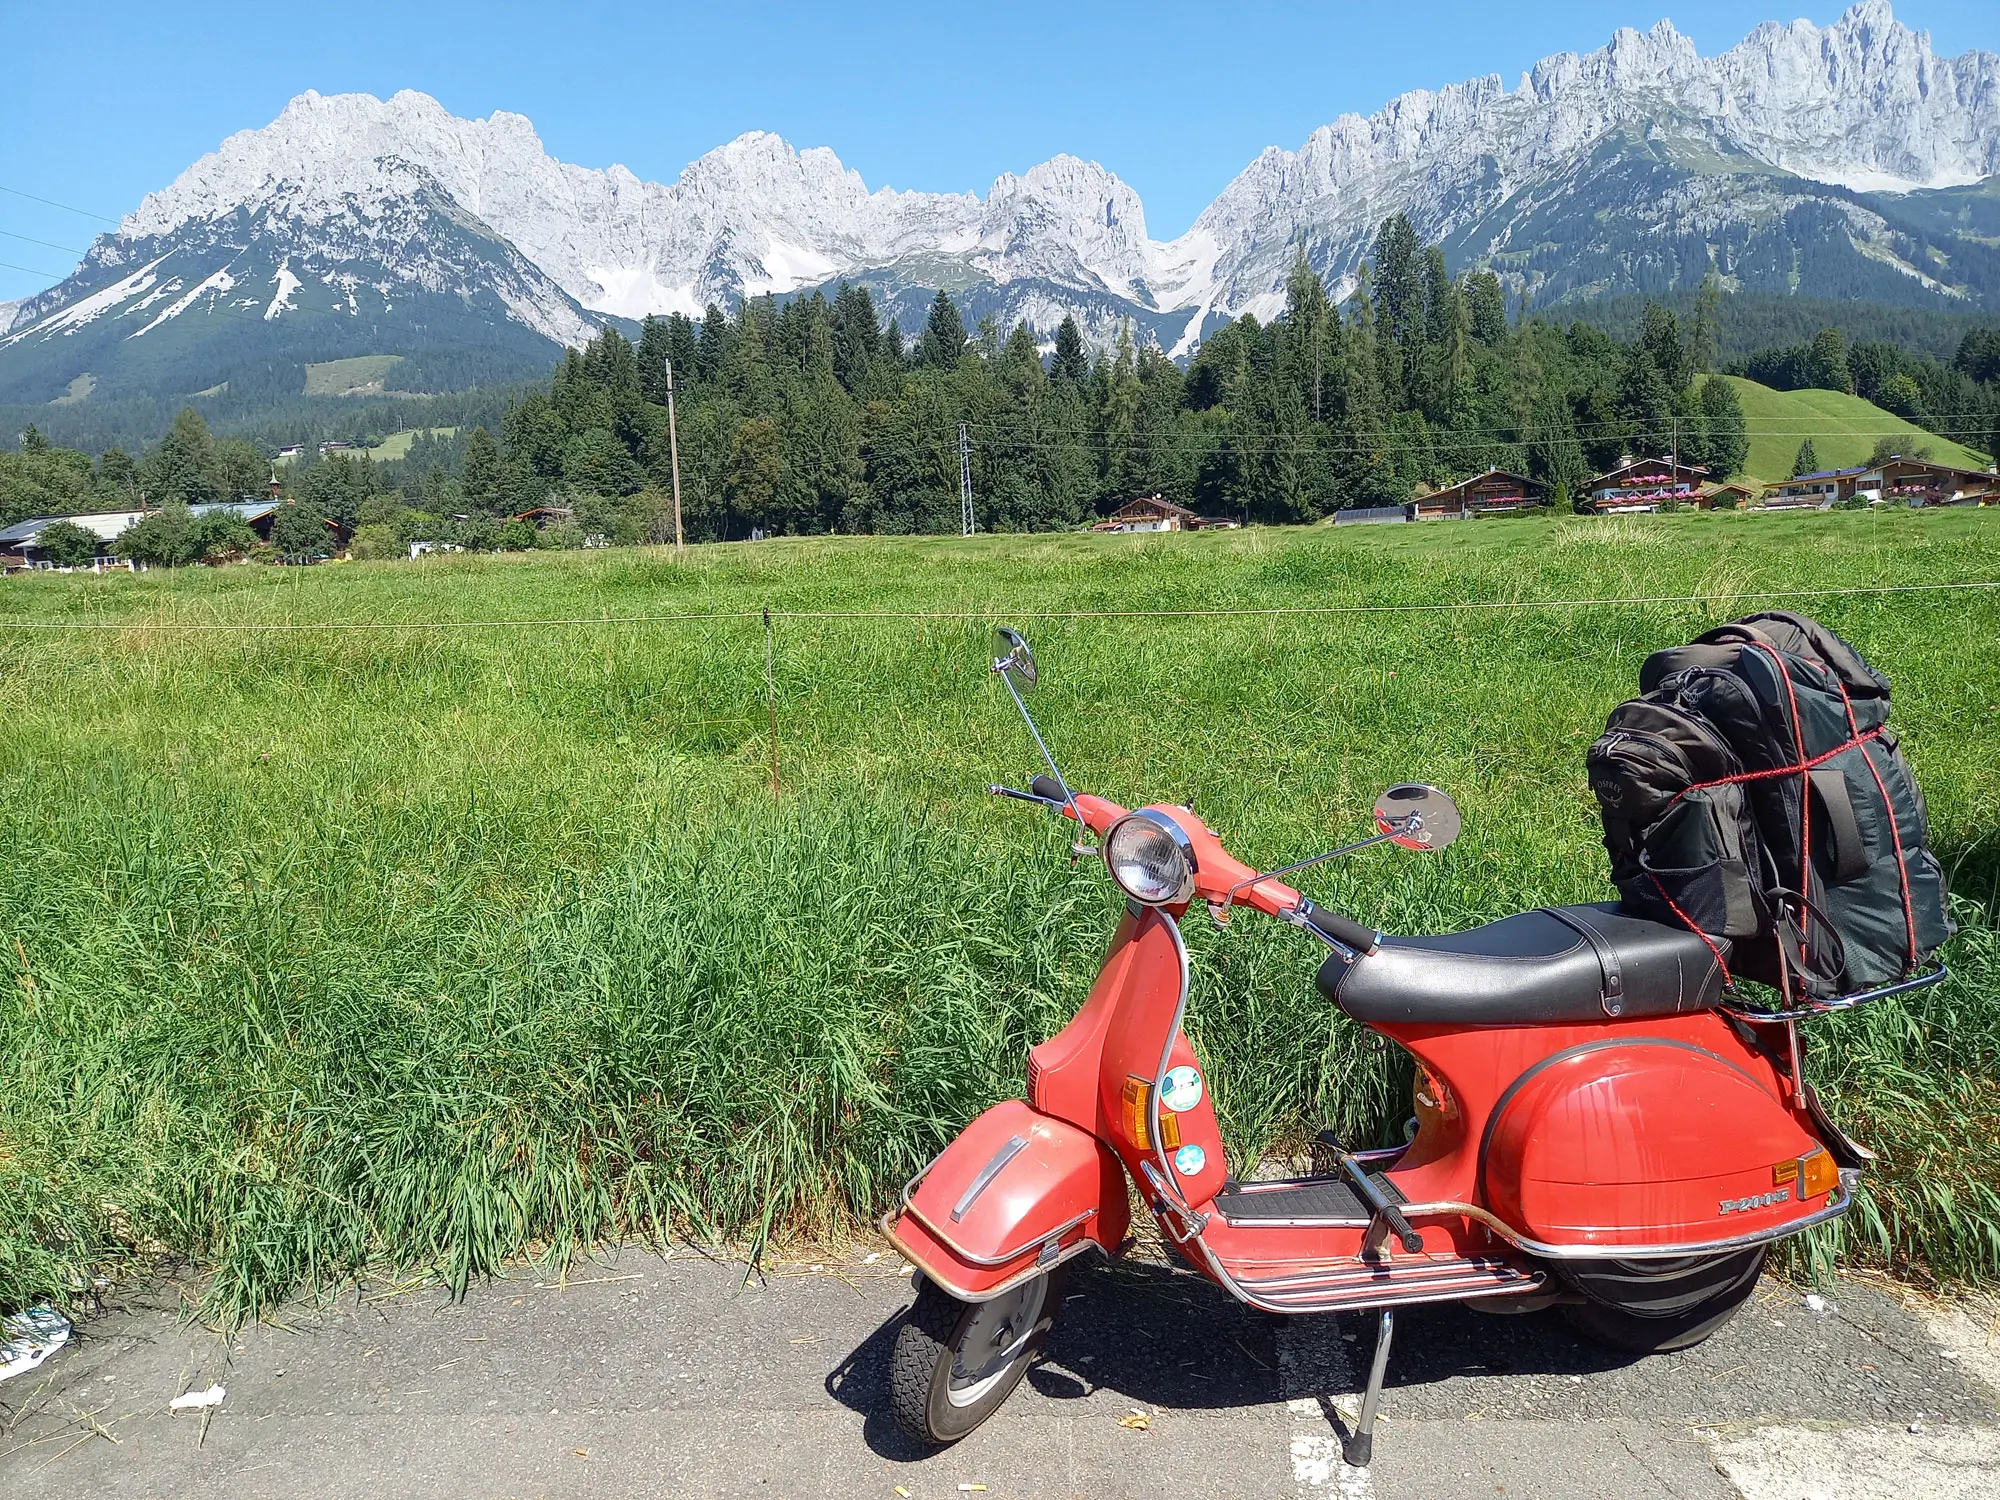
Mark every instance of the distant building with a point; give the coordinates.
(1919, 482)
(1646, 485)
(19, 541)
(1820, 490)
(1150, 513)
(1736, 494)
(1494, 493)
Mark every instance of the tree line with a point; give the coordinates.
(809, 415)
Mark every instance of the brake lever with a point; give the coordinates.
(995, 789)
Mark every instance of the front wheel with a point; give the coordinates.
(954, 1362)
(1652, 1306)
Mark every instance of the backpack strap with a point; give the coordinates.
(1611, 974)
(1850, 854)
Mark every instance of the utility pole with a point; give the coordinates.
(674, 448)
(964, 480)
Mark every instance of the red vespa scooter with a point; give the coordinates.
(1596, 1124)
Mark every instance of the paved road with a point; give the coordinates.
(650, 1376)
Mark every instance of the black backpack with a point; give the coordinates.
(1756, 794)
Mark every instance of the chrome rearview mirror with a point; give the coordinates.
(1417, 816)
(1012, 657)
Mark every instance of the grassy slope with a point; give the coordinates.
(1844, 430)
(397, 444)
(359, 374)
(437, 945)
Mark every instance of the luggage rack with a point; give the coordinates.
(1812, 1008)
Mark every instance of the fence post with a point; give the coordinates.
(771, 701)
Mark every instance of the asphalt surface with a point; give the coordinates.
(648, 1376)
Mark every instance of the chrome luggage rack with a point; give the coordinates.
(1810, 1008)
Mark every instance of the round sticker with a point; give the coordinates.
(1183, 1090)
(1190, 1160)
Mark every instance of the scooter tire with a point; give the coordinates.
(1653, 1307)
(931, 1400)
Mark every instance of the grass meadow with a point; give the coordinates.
(436, 946)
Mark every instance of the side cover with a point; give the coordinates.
(1017, 1191)
(1647, 1142)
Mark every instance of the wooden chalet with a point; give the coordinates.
(1150, 513)
(1494, 493)
(1731, 496)
(1919, 482)
(1646, 485)
(1821, 490)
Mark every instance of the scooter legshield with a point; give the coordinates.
(1645, 1143)
(1016, 1193)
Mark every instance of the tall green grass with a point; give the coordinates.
(436, 947)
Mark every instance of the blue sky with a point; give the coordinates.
(105, 102)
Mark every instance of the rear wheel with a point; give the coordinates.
(1652, 1306)
(955, 1362)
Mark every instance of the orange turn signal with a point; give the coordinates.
(1817, 1175)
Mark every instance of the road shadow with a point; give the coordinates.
(1164, 1338)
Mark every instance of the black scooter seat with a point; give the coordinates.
(1555, 964)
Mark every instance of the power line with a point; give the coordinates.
(52, 275)
(65, 207)
(46, 244)
(1267, 611)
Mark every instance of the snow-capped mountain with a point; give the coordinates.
(1844, 160)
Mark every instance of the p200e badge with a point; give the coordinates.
(1756, 1200)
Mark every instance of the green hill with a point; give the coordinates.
(1844, 430)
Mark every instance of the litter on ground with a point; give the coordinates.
(194, 1400)
(29, 1337)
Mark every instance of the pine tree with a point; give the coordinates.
(1660, 342)
(652, 355)
(856, 336)
(1724, 431)
(1119, 419)
(1071, 365)
(1488, 305)
(32, 441)
(1705, 339)
(483, 473)
(1826, 363)
(1310, 332)
(181, 468)
(1808, 460)
(895, 348)
(942, 343)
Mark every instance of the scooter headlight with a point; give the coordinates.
(1150, 859)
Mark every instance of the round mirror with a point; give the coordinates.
(1417, 816)
(1011, 655)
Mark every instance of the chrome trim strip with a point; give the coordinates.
(1166, 1057)
(1027, 1273)
(1837, 1204)
(1839, 1002)
(1014, 1146)
(1006, 1255)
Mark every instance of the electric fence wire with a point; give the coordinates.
(1244, 612)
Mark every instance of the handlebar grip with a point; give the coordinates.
(1047, 786)
(1341, 929)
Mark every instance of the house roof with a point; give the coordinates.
(113, 523)
(1646, 466)
(1491, 475)
(1153, 505)
(1826, 474)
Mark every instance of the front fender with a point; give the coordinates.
(1018, 1192)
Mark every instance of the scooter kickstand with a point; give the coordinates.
(1360, 1446)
